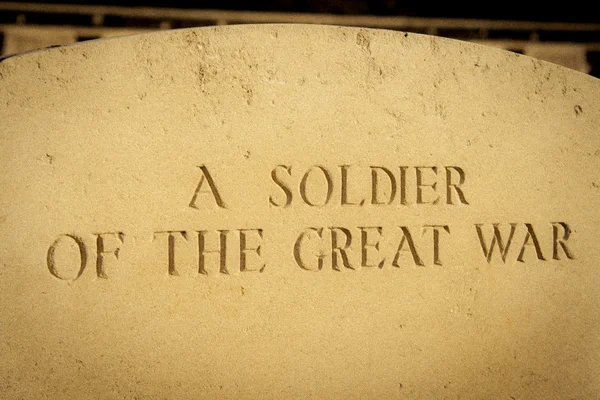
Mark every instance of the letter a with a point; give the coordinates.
(211, 184)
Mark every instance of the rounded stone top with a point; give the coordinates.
(297, 211)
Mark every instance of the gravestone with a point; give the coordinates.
(297, 211)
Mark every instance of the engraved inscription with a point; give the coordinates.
(339, 251)
(233, 251)
(455, 187)
(503, 236)
(212, 249)
(427, 190)
(310, 174)
(531, 240)
(370, 239)
(375, 185)
(275, 176)
(254, 238)
(496, 240)
(309, 239)
(336, 247)
(103, 251)
(212, 189)
(221, 251)
(407, 240)
(560, 243)
(67, 257)
(436, 240)
(344, 188)
(172, 238)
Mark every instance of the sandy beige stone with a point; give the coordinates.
(352, 178)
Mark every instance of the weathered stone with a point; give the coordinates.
(297, 211)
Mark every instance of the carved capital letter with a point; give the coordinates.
(58, 246)
(244, 249)
(298, 249)
(436, 240)
(213, 189)
(171, 235)
(556, 242)
(101, 251)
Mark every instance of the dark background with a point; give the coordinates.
(566, 11)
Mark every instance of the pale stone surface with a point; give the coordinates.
(103, 142)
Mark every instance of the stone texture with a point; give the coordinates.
(101, 148)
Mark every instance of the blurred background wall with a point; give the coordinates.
(566, 36)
